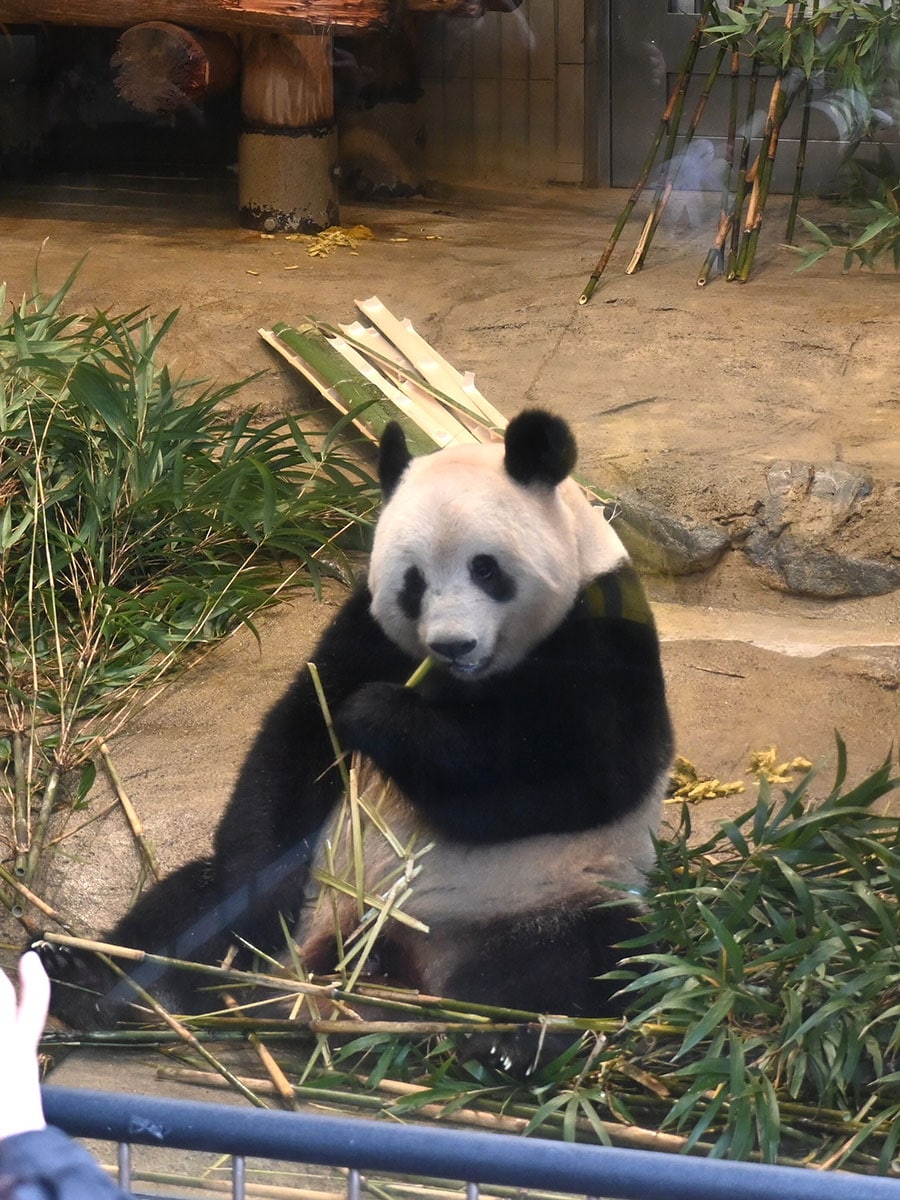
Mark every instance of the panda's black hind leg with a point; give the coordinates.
(88, 994)
(546, 963)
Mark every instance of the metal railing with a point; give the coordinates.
(471, 1159)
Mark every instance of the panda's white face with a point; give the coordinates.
(474, 568)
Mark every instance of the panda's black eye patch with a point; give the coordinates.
(410, 595)
(487, 574)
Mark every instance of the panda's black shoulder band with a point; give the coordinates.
(618, 596)
(539, 448)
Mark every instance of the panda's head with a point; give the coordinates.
(480, 550)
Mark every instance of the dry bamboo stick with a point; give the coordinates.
(134, 821)
(270, 1066)
(634, 1136)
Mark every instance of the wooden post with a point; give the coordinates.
(161, 68)
(287, 158)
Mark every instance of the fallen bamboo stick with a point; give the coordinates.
(135, 824)
(634, 1136)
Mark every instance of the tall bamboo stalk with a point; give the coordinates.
(801, 149)
(765, 167)
(668, 125)
(716, 255)
(740, 191)
(669, 178)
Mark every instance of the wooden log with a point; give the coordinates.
(159, 67)
(287, 155)
(286, 15)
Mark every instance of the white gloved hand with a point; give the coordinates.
(21, 1025)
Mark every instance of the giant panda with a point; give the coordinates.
(531, 759)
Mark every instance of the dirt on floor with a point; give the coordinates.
(684, 397)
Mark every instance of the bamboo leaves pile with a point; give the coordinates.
(137, 521)
(852, 50)
(764, 1015)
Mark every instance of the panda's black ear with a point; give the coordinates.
(393, 457)
(539, 448)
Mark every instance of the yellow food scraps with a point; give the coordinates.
(690, 785)
(764, 764)
(320, 245)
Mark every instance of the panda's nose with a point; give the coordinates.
(452, 651)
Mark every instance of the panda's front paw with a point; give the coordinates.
(375, 719)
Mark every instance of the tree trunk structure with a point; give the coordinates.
(288, 154)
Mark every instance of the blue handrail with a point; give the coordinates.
(484, 1158)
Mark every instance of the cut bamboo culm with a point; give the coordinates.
(765, 164)
(668, 125)
(672, 171)
(716, 255)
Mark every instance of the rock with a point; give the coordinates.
(797, 541)
(659, 543)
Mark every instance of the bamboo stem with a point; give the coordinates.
(765, 166)
(716, 255)
(634, 1136)
(39, 833)
(270, 1066)
(144, 848)
(801, 149)
(743, 169)
(668, 124)
(801, 163)
(339, 756)
(224, 974)
(670, 173)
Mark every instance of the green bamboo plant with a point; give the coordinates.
(139, 520)
(763, 1019)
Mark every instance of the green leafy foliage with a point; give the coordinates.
(764, 1011)
(777, 972)
(873, 219)
(844, 43)
(138, 519)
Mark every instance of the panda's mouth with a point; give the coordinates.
(468, 670)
